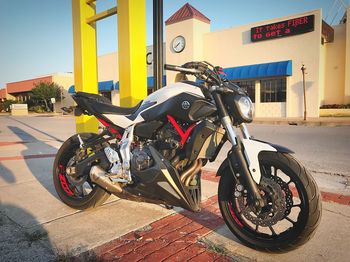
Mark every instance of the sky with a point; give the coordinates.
(36, 36)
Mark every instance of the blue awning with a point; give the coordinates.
(102, 86)
(282, 68)
(71, 89)
(105, 86)
(150, 82)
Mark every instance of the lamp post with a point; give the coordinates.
(303, 69)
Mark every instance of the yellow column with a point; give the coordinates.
(132, 51)
(85, 58)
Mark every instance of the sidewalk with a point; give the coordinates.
(187, 236)
(36, 225)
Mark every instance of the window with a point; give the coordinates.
(249, 87)
(273, 90)
(107, 95)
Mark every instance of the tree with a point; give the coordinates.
(45, 91)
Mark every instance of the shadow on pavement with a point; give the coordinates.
(6, 174)
(41, 170)
(18, 243)
(38, 130)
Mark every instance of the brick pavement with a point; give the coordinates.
(177, 237)
(173, 238)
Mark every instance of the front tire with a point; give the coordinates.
(293, 209)
(89, 195)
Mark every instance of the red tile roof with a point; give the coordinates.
(26, 85)
(187, 12)
(3, 93)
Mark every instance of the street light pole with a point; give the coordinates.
(303, 69)
(61, 93)
(158, 44)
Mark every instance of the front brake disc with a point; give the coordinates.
(275, 209)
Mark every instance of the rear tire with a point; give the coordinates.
(66, 190)
(304, 190)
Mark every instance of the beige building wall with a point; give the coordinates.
(108, 67)
(65, 80)
(347, 59)
(233, 47)
(327, 65)
(334, 70)
(193, 31)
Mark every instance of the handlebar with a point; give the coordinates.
(182, 69)
(202, 70)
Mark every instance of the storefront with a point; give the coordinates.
(264, 57)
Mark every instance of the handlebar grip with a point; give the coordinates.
(171, 67)
(181, 69)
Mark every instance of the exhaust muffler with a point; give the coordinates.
(98, 176)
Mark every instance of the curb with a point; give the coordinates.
(326, 196)
(301, 122)
(177, 237)
(172, 238)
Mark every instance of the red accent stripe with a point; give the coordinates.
(114, 131)
(183, 135)
(63, 181)
(234, 215)
(9, 143)
(4, 158)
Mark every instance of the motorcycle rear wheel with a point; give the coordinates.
(294, 205)
(85, 196)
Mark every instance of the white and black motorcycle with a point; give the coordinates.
(154, 153)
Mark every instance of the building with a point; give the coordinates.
(21, 90)
(4, 95)
(264, 57)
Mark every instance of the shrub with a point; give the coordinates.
(37, 109)
(6, 105)
(335, 106)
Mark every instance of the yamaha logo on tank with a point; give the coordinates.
(185, 105)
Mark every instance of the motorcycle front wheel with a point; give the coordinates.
(292, 208)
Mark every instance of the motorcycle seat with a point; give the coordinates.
(103, 105)
(103, 108)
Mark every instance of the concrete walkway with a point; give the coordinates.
(36, 225)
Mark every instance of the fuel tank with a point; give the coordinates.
(183, 101)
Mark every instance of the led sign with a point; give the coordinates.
(294, 26)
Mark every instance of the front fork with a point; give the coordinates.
(236, 156)
(239, 163)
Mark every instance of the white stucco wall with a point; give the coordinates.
(334, 69)
(233, 47)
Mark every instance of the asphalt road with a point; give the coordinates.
(322, 149)
(325, 151)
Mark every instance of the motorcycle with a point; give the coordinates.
(154, 153)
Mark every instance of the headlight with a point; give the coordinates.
(245, 108)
